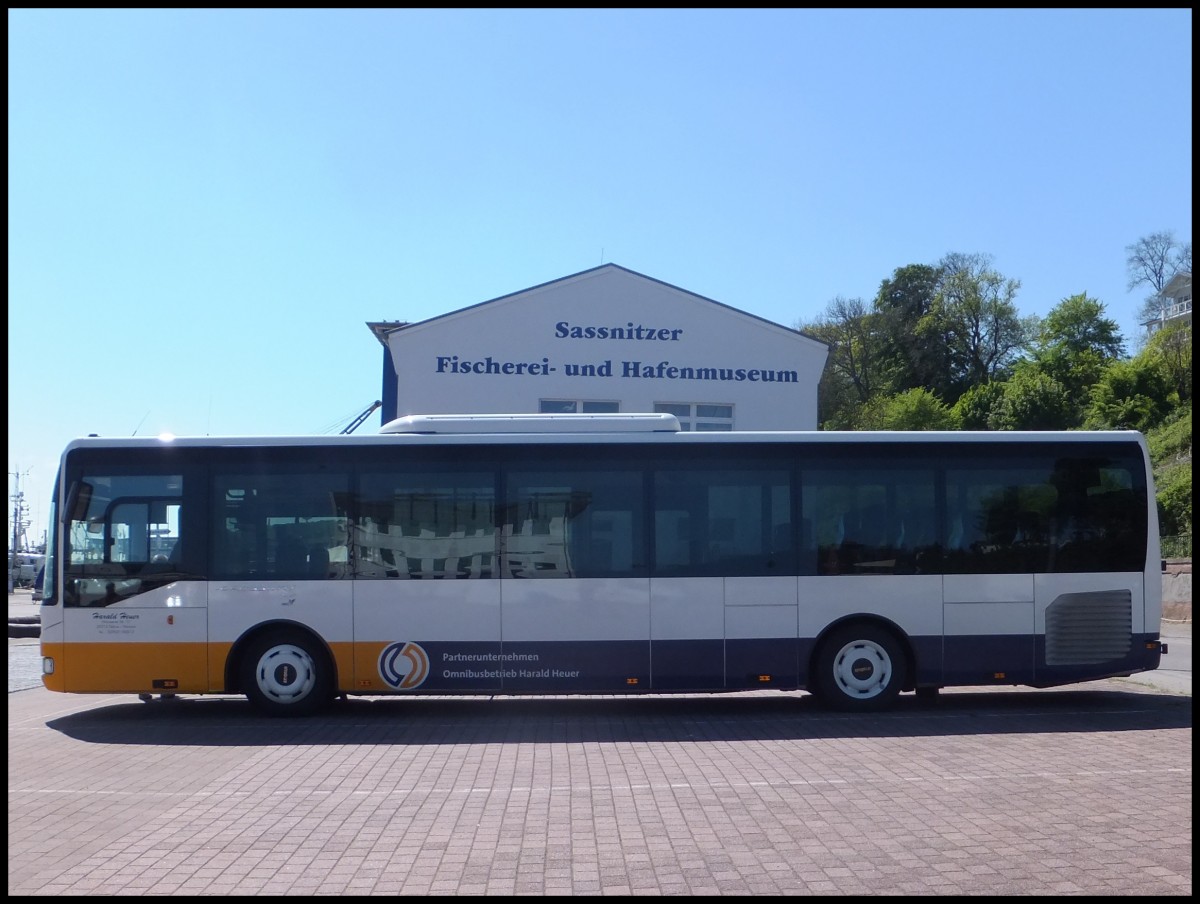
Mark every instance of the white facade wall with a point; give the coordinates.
(556, 342)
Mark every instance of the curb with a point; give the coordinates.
(24, 628)
(24, 625)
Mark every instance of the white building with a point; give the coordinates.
(1174, 303)
(604, 340)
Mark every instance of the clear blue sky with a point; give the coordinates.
(206, 207)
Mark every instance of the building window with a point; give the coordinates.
(700, 417)
(577, 406)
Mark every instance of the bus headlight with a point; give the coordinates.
(47, 665)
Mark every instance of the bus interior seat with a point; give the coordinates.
(918, 528)
(955, 538)
(806, 539)
(781, 537)
(290, 557)
(782, 554)
(318, 561)
(873, 529)
(1029, 528)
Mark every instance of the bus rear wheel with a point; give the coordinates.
(284, 673)
(859, 668)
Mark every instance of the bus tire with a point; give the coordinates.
(286, 673)
(859, 668)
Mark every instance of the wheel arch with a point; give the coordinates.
(862, 618)
(233, 662)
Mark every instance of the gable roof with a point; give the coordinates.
(382, 329)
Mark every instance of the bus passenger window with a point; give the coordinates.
(269, 526)
(581, 522)
(417, 524)
(716, 521)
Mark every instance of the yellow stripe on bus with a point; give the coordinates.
(129, 668)
(366, 668)
(133, 668)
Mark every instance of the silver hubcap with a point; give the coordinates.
(862, 669)
(285, 673)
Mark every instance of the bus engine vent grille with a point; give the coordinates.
(1084, 628)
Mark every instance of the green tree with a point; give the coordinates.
(1171, 453)
(975, 316)
(837, 403)
(1130, 395)
(913, 409)
(1171, 347)
(1073, 345)
(904, 305)
(852, 373)
(1032, 400)
(976, 407)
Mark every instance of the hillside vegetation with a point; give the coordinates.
(1171, 453)
(943, 347)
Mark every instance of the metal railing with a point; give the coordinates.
(1176, 546)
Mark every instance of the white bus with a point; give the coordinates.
(24, 567)
(599, 554)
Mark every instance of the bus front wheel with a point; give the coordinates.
(285, 674)
(860, 668)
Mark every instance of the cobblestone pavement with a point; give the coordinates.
(1077, 791)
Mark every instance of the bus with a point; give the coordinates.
(24, 567)
(599, 554)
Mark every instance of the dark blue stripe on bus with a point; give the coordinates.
(753, 664)
(743, 664)
(687, 665)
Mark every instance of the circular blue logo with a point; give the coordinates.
(404, 665)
